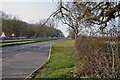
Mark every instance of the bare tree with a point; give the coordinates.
(78, 14)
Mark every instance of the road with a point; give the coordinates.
(19, 61)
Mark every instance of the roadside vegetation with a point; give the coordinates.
(20, 29)
(89, 57)
(61, 62)
(94, 26)
(97, 57)
(16, 43)
(11, 43)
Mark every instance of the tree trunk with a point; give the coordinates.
(76, 35)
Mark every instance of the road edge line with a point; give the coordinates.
(32, 75)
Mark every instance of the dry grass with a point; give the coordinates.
(97, 59)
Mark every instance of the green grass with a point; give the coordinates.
(15, 43)
(60, 64)
(3, 44)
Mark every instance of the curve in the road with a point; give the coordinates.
(19, 61)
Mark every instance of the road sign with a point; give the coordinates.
(12, 34)
(3, 35)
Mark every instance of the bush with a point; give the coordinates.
(96, 58)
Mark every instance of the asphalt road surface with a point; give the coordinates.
(20, 60)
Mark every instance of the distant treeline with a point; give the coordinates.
(23, 29)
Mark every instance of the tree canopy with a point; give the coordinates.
(11, 24)
(79, 15)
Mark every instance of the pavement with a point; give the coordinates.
(20, 60)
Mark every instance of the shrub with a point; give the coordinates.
(97, 57)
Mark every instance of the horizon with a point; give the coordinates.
(31, 12)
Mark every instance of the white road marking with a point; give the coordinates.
(5, 58)
(23, 47)
(27, 51)
(17, 55)
(20, 53)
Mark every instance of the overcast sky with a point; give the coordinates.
(31, 11)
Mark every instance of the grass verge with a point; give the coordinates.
(60, 64)
(16, 43)
(3, 44)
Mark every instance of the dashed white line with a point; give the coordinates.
(5, 58)
(20, 54)
(27, 51)
(22, 47)
(17, 55)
